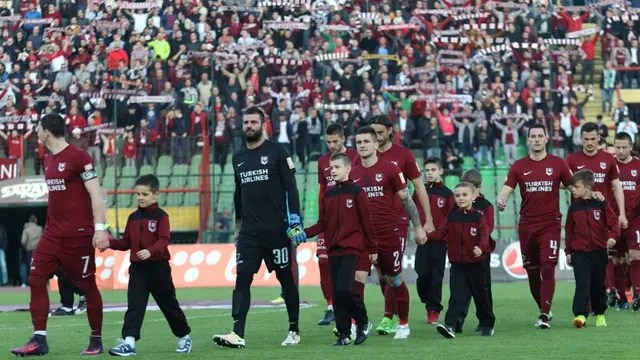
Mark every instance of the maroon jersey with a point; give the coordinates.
(381, 182)
(539, 183)
(590, 223)
(403, 158)
(602, 164)
(441, 202)
(324, 170)
(630, 180)
(69, 212)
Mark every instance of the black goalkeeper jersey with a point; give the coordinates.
(266, 191)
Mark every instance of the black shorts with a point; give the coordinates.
(250, 254)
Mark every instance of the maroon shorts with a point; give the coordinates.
(631, 235)
(391, 252)
(540, 246)
(75, 255)
(363, 263)
(321, 249)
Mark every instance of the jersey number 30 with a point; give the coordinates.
(281, 256)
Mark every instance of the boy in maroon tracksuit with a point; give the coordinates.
(147, 235)
(591, 228)
(345, 219)
(431, 257)
(485, 206)
(467, 234)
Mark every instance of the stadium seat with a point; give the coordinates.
(164, 181)
(179, 175)
(110, 171)
(124, 200)
(195, 160)
(146, 169)
(468, 162)
(129, 172)
(99, 171)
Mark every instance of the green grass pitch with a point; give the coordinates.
(516, 337)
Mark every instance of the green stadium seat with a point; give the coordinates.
(99, 171)
(110, 171)
(164, 165)
(146, 169)
(196, 160)
(164, 180)
(312, 168)
(126, 183)
(129, 171)
(468, 162)
(192, 199)
(109, 181)
(174, 199)
(124, 200)
(162, 199)
(179, 176)
(451, 181)
(110, 200)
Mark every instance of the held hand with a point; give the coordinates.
(373, 258)
(143, 254)
(421, 236)
(429, 227)
(477, 252)
(611, 243)
(624, 223)
(502, 202)
(100, 240)
(597, 195)
(568, 257)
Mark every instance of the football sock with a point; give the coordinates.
(325, 279)
(359, 289)
(241, 300)
(402, 301)
(548, 288)
(620, 281)
(383, 287)
(390, 302)
(330, 306)
(39, 304)
(291, 298)
(635, 277)
(94, 304)
(131, 341)
(609, 281)
(41, 333)
(535, 284)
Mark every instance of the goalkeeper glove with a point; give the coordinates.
(295, 231)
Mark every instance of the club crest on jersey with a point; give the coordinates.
(349, 203)
(474, 231)
(62, 166)
(603, 165)
(153, 225)
(634, 173)
(264, 160)
(596, 214)
(378, 177)
(440, 203)
(549, 171)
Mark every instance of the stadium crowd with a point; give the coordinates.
(460, 78)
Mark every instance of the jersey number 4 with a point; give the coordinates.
(281, 256)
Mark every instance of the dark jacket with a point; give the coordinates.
(147, 228)
(486, 208)
(441, 202)
(463, 230)
(345, 219)
(589, 224)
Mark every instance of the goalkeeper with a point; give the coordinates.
(267, 218)
(345, 220)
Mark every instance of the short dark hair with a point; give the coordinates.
(589, 127)
(367, 130)
(383, 120)
(335, 129)
(341, 156)
(149, 180)
(254, 110)
(472, 176)
(537, 126)
(54, 123)
(466, 184)
(624, 136)
(585, 176)
(433, 160)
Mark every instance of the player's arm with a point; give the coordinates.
(413, 173)
(618, 194)
(565, 178)
(410, 207)
(287, 175)
(510, 183)
(164, 237)
(613, 225)
(97, 203)
(362, 204)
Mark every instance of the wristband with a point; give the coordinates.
(99, 227)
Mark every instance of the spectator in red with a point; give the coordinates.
(146, 137)
(75, 120)
(574, 21)
(588, 63)
(115, 56)
(198, 127)
(130, 149)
